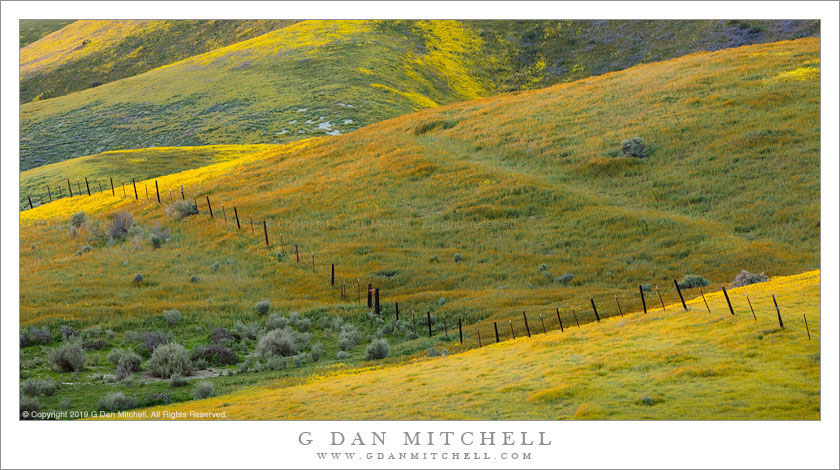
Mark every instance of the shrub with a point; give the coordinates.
(94, 345)
(121, 223)
(172, 317)
(200, 364)
(29, 406)
(262, 306)
(281, 256)
(434, 259)
(67, 332)
(246, 330)
(65, 404)
(304, 324)
(216, 266)
(316, 352)
(349, 337)
(194, 279)
(458, 257)
(35, 335)
(275, 321)
(276, 363)
(125, 361)
(68, 357)
(156, 241)
(299, 360)
(92, 332)
(692, 280)
(216, 354)
(633, 147)
(204, 390)
(543, 267)
(564, 278)
(342, 355)
(33, 387)
(276, 343)
(138, 278)
(152, 340)
(219, 335)
(170, 359)
(647, 288)
(378, 349)
(183, 209)
(117, 401)
(177, 380)
(77, 219)
(745, 278)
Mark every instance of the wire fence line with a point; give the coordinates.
(647, 299)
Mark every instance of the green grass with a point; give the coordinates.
(33, 30)
(509, 183)
(319, 77)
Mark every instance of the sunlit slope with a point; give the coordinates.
(312, 78)
(318, 77)
(33, 30)
(663, 365)
(88, 53)
(506, 183)
(50, 181)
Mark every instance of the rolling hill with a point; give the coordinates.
(322, 77)
(33, 30)
(88, 53)
(474, 211)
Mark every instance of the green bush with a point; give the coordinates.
(246, 330)
(35, 335)
(34, 387)
(29, 406)
(316, 352)
(633, 147)
(564, 278)
(68, 357)
(170, 359)
(77, 219)
(138, 278)
(276, 343)
(691, 281)
(378, 349)
(177, 380)
(275, 321)
(125, 362)
(117, 401)
(172, 317)
(121, 223)
(349, 337)
(745, 278)
(342, 355)
(183, 209)
(204, 390)
(262, 306)
(216, 354)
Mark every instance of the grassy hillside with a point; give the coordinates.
(473, 211)
(33, 30)
(122, 166)
(320, 77)
(88, 53)
(664, 365)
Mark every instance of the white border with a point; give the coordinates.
(272, 444)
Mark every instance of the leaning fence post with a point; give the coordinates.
(619, 306)
(677, 285)
(297, 256)
(429, 322)
(49, 193)
(87, 186)
(726, 294)
(157, 191)
(512, 334)
(704, 299)
(236, 214)
(313, 262)
(196, 211)
(782, 325)
(642, 295)
(751, 308)
(594, 309)
(575, 315)
(69, 187)
(133, 183)
(527, 329)
(282, 246)
(224, 214)
(559, 320)
(265, 231)
(660, 298)
(496, 328)
(182, 192)
(210, 208)
(806, 326)
(30, 202)
(478, 334)
(461, 331)
(543, 324)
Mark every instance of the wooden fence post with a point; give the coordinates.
(332, 274)
(124, 193)
(461, 331)
(297, 256)
(595, 309)
(512, 334)
(170, 197)
(236, 214)
(543, 324)
(751, 308)
(113, 192)
(478, 334)
(182, 192)
(779, 313)
(642, 295)
(79, 187)
(60, 194)
(397, 310)
(265, 231)
(677, 285)
(575, 315)
(429, 322)
(370, 295)
(252, 223)
(376, 301)
(496, 328)
(806, 326)
(87, 186)
(49, 193)
(313, 262)
(704, 299)
(69, 188)
(619, 306)
(224, 213)
(660, 298)
(527, 329)
(30, 202)
(209, 207)
(559, 320)
(99, 183)
(157, 192)
(726, 294)
(282, 246)
(197, 212)
(134, 183)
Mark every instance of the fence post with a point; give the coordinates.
(660, 298)
(146, 187)
(134, 183)
(594, 309)
(224, 213)
(79, 187)
(60, 194)
(559, 320)
(496, 328)
(376, 301)
(726, 294)
(751, 309)
(313, 262)
(124, 193)
(429, 322)
(543, 324)
(209, 207)
(282, 246)
(642, 295)
(49, 193)
(704, 299)
(332, 274)
(619, 306)
(527, 329)
(87, 186)
(297, 256)
(512, 334)
(236, 214)
(196, 211)
(30, 202)
(782, 325)
(265, 231)
(461, 331)
(157, 192)
(69, 188)
(677, 285)
(575, 315)
(170, 197)
(397, 310)
(252, 223)
(182, 192)
(414, 323)
(806, 326)
(370, 295)
(478, 333)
